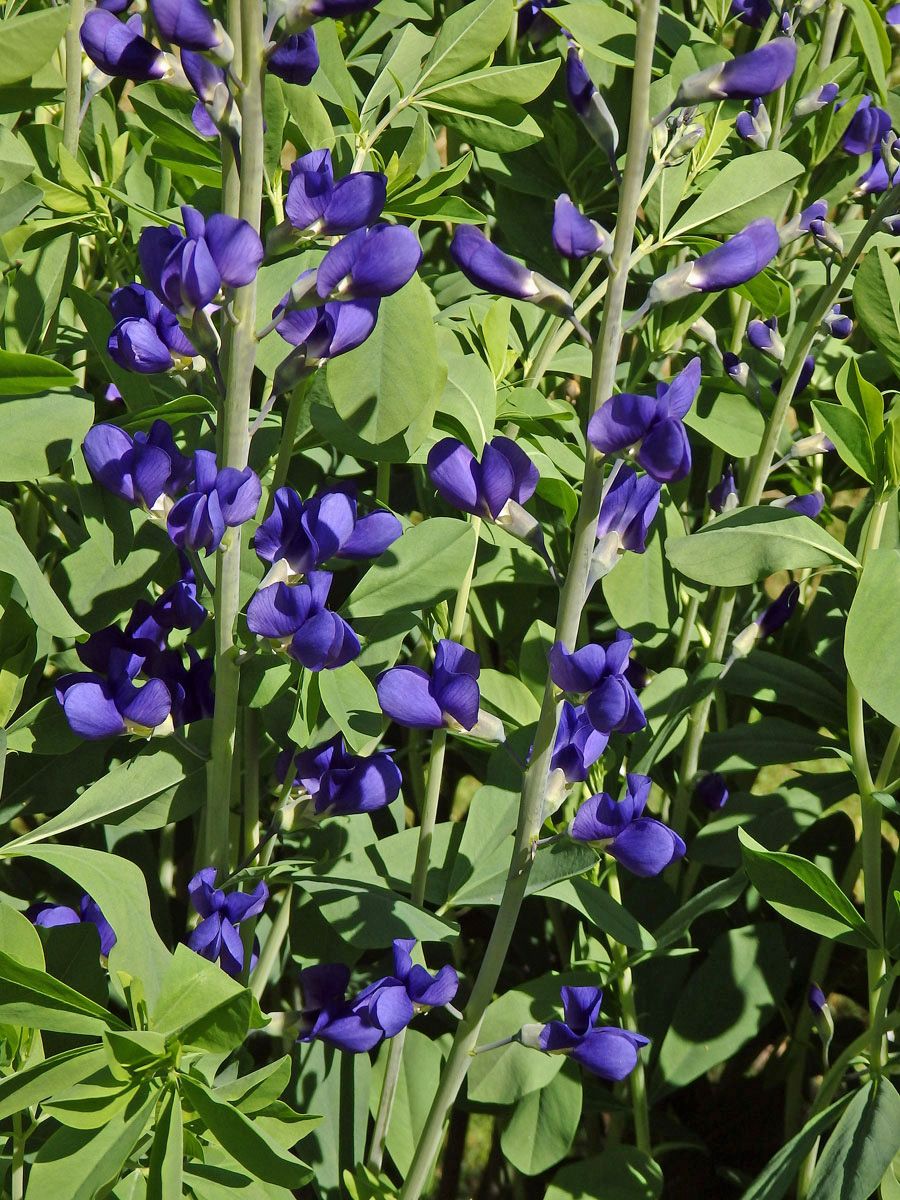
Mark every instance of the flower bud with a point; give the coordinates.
(826, 234)
(819, 97)
(758, 73)
(838, 324)
(754, 126)
(591, 107)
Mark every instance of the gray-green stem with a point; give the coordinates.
(235, 443)
(73, 76)
(606, 354)
(637, 1082)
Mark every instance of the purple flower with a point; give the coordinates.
(341, 784)
(797, 226)
(369, 263)
(295, 617)
(574, 234)
(146, 337)
(838, 324)
(630, 502)
(315, 204)
(141, 469)
(736, 261)
(323, 987)
(754, 126)
(187, 271)
(217, 936)
(654, 422)
(868, 125)
(809, 505)
(598, 672)
(604, 1050)
(754, 13)
(297, 58)
(763, 336)
(876, 179)
(306, 533)
(186, 23)
(49, 916)
(591, 107)
(724, 496)
(758, 73)
(815, 997)
(505, 474)
(642, 844)
(322, 333)
(218, 500)
(892, 16)
(819, 97)
(578, 744)
(779, 611)
(712, 791)
(424, 989)
(190, 686)
(119, 47)
(97, 708)
(448, 697)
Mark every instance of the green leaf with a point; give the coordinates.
(44, 605)
(748, 187)
(53, 1076)
(874, 40)
(22, 374)
(752, 543)
(119, 889)
(350, 699)
(467, 38)
(876, 302)
(717, 896)
(35, 1000)
(369, 916)
(726, 1001)
(19, 938)
(470, 398)
(29, 42)
(862, 1146)
(851, 438)
(420, 1070)
(505, 1075)
(259, 1155)
(640, 591)
(856, 393)
(380, 387)
(872, 639)
(201, 1005)
(426, 565)
(595, 903)
(499, 125)
(544, 1123)
(775, 1180)
(603, 31)
(164, 1178)
(140, 778)
(619, 1173)
(728, 420)
(520, 84)
(802, 892)
(82, 1164)
(761, 744)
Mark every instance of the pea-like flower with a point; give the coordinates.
(820, 97)
(96, 707)
(369, 263)
(736, 261)
(296, 619)
(218, 500)
(641, 844)
(652, 423)
(188, 23)
(448, 698)
(574, 234)
(591, 107)
(188, 270)
(578, 744)
(215, 108)
(216, 937)
(300, 535)
(769, 621)
(146, 337)
(799, 225)
(754, 126)
(319, 334)
(296, 59)
(49, 916)
(809, 505)
(838, 324)
(147, 469)
(758, 73)
(316, 205)
(339, 783)
(630, 502)
(486, 265)
(763, 336)
(712, 791)
(120, 48)
(867, 127)
(599, 673)
(754, 13)
(604, 1050)
(380, 1010)
(724, 497)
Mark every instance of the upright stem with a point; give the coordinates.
(17, 1167)
(637, 1082)
(235, 442)
(829, 34)
(606, 354)
(73, 76)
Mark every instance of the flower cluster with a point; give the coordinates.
(333, 782)
(380, 1010)
(449, 698)
(216, 937)
(599, 674)
(604, 1050)
(642, 844)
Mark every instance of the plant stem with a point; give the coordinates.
(420, 871)
(606, 355)
(636, 1081)
(829, 34)
(73, 76)
(289, 434)
(17, 1167)
(272, 948)
(235, 444)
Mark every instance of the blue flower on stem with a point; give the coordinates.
(218, 500)
(187, 23)
(604, 1050)
(495, 488)
(448, 698)
(599, 673)
(868, 125)
(296, 619)
(574, 234)
(591, 107)
(120, 48)
(763, 336)
(629, 504)
(296, 59)
(369, 263)
(653, 423)
(147, 469)
(642, 844)
(754, 126)
(217, 937)
(724, 496)
(769, 621)
(147, 337)
(342, 784)
(754, 13)
(98, 707)
(578, 744)
(712, 791)
(758, 73)
(49, 916)
(316, 205)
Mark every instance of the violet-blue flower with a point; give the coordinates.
(49, 916)
(763, 336)
(736, 261)
(724, 496)
(120, 48)
(218, 500)
(604, 1050)
(369, 263)
(655, 423)
(315, 204)
(630, 502)
(449, 697)
(754, 13)
(642, 844)
(187, 23)
(598, 673)
(147, 469)
(146, 337)
(591, 107)
(767, 622)
(820, 97)
(712, 791)
(574, 234)
(838, 324)
(578, 744)
(758, 73)
(321, 333)
(296, 619)
(867, 127)
(297, 59)
(216, 937)
(809, 505)
(754, 126)
(98, 708)
(340, 783)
